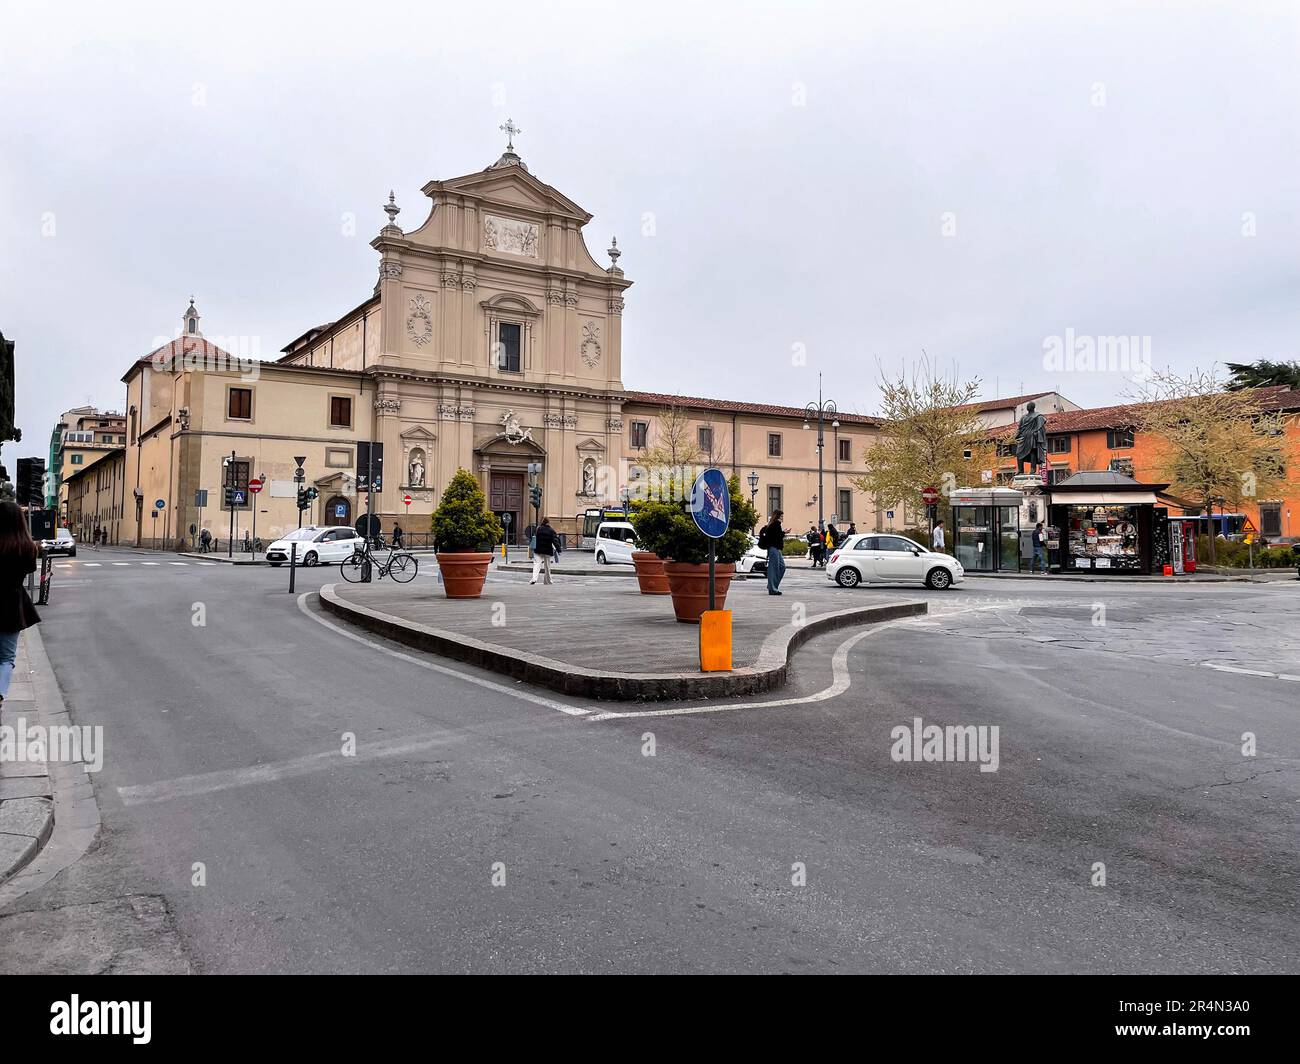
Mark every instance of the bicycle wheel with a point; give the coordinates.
(351, 567)
(403, 567)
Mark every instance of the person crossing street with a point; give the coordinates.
(545, 550)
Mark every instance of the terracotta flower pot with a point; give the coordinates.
(463, 574)
(650, 572)
(689, 585)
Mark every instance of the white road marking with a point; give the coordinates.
(840, 682)
(1236, 669)
(178, 563)
(91, 565)
(205, 563)
(227, 779)
(121, 563)
(151, 563)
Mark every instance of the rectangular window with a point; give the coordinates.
(640, 434)
(773, 499)
(1007, 450)
(704, 434)
(340, 412)
(774, 445)
(76, 459)
(508, 342)
(239, 404)
(1122, 465)
(1056, 474)
(1270, 519)
(846, 450)
(1117, 438)
(845, 509)
(235, 475)
(1058, 444)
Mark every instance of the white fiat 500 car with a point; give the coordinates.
(886, 559)
(316, 546)
(615, 542)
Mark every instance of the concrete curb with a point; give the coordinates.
(768, 672)
(73, 811)
(213, 557)
(26, 792)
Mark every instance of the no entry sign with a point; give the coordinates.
(407, 499)
(929, 496)
(255, 485)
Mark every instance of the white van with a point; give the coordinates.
(615, 542)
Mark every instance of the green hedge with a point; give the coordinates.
(795, 548)
(1232, 554)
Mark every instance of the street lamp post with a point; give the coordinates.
(753, 486)
(821, 410)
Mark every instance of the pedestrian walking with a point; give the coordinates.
(205, 541)
(546, 548)
(18, 553)
(772, 539)
(833, 537)
(1039, 558)
(852, 530)
(94, 540)
(814, 545)
(398, 544)
(936, 537)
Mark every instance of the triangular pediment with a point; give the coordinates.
(508, 187)
(419, 432)
(591, 444)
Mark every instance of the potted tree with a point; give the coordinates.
(664, 528)
(464, 533)
(650, 576)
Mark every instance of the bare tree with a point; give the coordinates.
(1214, 444)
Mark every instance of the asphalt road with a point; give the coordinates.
(1119, 744)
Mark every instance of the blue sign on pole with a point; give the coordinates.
(711, 503)
(160, 504)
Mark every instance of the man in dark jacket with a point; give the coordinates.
(814, 545)
(545, 551)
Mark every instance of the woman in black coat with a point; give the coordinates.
(17, 559)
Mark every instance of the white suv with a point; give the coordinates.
(888, 559)
(615, 542)
(62, 543)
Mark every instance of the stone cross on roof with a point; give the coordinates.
(511, 131)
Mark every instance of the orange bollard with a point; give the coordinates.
(715, 641)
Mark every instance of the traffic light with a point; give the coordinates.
(312, 493)
(305, 497)
(535, 493)
(30, 491)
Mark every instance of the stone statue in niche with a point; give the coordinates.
(415, 474)
(589, 477)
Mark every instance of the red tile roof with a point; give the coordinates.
(1125, 415)
(728, 406)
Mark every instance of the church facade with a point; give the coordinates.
(492, 342)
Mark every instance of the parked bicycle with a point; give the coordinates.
(364, 563)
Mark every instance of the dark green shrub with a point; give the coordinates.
(665, 527)
(462, 523)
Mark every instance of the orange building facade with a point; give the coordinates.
(1103, 438)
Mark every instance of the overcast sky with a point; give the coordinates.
(864, 179)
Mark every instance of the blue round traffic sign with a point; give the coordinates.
(711, 503)
(160, 504)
